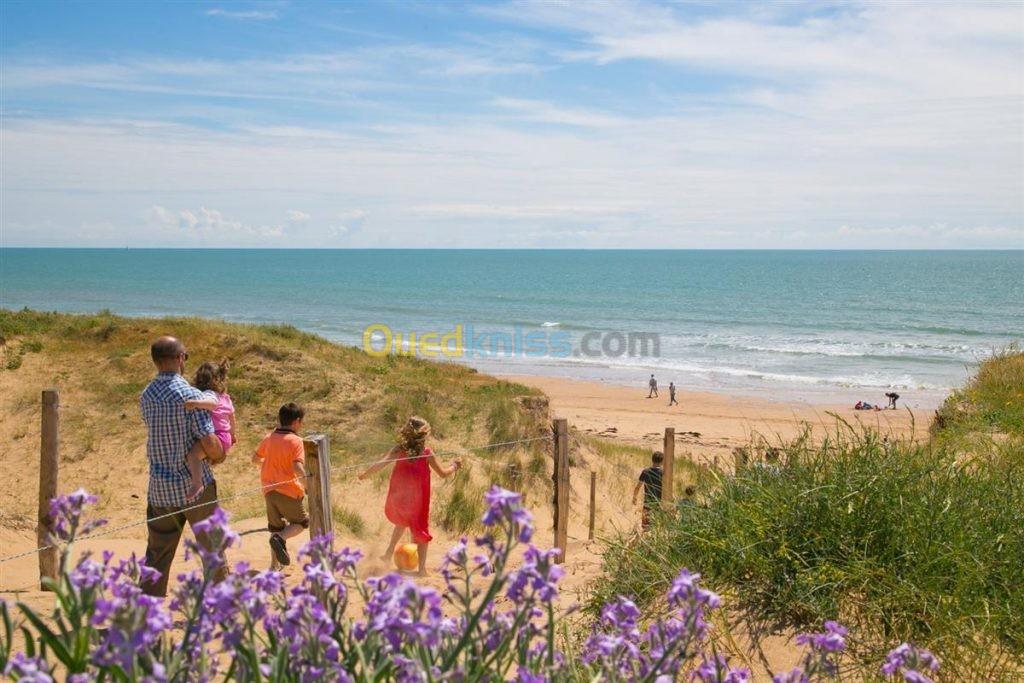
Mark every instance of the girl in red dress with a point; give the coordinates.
(408, 501)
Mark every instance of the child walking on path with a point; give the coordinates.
(282, 460)
(408, 502)
(650, 481)
(212, 380)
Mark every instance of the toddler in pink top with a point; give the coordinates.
(212, 380)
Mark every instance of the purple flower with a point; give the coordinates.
(66, 516)
(215, 536)
(716, 669)
(912, 662)
(28, 669)
(506, 506)
(526, 676)
(796, 675)
(824, 648)
(87, 574)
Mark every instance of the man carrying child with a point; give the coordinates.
(171, 432)
(282, 457)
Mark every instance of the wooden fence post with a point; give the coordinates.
(49, 460)
(593, 504)
(668, 491)
(318, 485)
(562, 491)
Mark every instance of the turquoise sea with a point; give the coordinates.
(823, 325)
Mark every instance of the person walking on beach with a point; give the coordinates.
(672, 394)
(650, 480)
(408, 501)
(171, 433)
(892, 396)
(653, 385)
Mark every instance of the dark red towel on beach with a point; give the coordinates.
(408, 502)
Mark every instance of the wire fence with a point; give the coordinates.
(265, 487)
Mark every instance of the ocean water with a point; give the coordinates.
(820, 325)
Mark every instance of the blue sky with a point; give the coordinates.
(513, 124)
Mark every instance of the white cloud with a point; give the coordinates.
(295, 216)
(351, 222)
(209, 226)
(546, 112)
(259, 15)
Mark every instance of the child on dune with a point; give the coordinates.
(408, 501)
(212, 379)
(282, 460)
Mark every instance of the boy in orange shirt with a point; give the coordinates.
(282, 457)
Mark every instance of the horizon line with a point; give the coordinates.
(667, 249)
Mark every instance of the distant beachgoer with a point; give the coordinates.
(653, 384)
(689, 498)
(672, 394)
(650, 480)
(770, 464)
(892, 396)
(282, 460)
(171, 433)
(211, 379)
(408, 501)
(864, 405)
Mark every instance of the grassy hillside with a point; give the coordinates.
(905, 541)
(990, 405)
(101, 363)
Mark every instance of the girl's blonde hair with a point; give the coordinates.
(212, 377)
(413, 436)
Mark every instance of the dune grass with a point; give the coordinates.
(991, 402)
(101, 363)
(902, 540)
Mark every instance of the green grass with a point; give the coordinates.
(360, 400)
(628, 460)
(990, 402)
(460, 504)
(900, 541)
(348, 519)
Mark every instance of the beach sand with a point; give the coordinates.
(706, 424)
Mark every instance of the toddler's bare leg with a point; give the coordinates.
(194, 460)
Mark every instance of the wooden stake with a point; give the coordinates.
(593, 504)
(668, 467)
(318, 485)
(49, 461)
(562, 490)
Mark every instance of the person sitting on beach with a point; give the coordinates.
(650, 480)
(892, 396)
(653, 385)
(211, 379)
(672, 394)
(408, 501)
(282, 460)
(864, 405)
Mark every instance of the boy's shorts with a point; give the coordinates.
(283, 510)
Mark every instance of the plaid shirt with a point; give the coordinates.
(171, 433)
